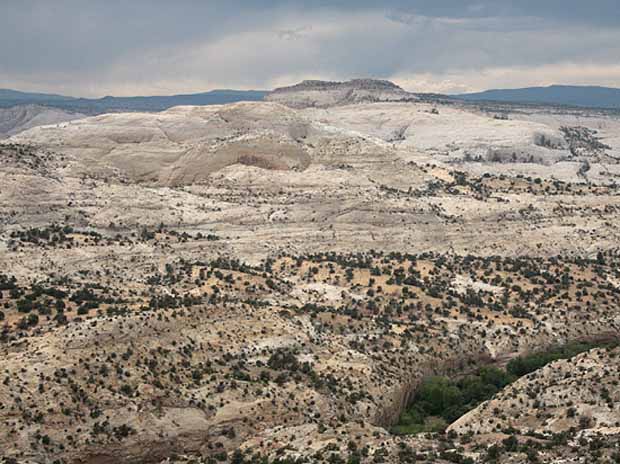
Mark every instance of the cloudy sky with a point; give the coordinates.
(140, 47)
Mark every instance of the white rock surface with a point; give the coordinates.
(23, 117)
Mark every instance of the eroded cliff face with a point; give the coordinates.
(464, 363)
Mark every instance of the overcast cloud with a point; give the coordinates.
(119, 47)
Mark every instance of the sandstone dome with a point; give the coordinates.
(184, 144)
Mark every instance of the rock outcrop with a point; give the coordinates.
(323, 94)
(20, 118)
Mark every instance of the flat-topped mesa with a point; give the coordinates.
(316, 93)
(361, 84)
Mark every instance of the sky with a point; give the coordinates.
(94, 48)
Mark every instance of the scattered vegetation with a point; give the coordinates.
(439, 401)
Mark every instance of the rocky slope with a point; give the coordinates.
(572, 403)
(145, 361)
(579, 393)
(20, 118)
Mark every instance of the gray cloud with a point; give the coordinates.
(294, 34)
(88, 47)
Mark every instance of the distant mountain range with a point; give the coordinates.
(569, 95)
(10, 98)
